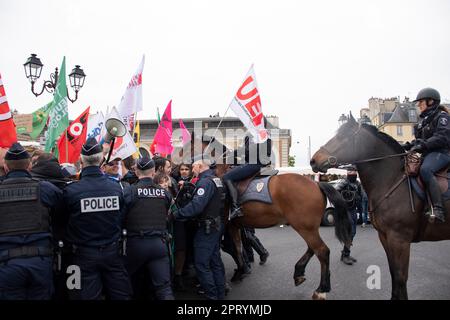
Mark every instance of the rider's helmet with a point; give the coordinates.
(427, 94)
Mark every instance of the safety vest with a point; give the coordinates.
(215, 206)
(149, 212)
(21, 210)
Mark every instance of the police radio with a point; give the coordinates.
(114, 128)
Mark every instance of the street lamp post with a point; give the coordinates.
(33, 68)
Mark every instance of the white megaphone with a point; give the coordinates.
(114, 128)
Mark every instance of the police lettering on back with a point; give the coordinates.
(150, 193)
(100, 204)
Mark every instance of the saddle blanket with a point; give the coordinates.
(257, 190)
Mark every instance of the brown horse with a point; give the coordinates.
(378, 158)
(301, 202)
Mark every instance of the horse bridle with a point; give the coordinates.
(333, 161)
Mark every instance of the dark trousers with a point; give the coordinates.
(152, 254)
(242, 172)
(432, 163)
(365, 209)
(251, 242)
(208, 263)
(354, 221)
(28, 278)
(102, 269)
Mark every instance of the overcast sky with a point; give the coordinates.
(313, 59)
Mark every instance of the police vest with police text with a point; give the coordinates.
(215, 206)
(21, 209)
(149, 212)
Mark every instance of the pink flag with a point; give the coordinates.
(185, 133)
(162, 143)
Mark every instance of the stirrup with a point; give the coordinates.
(440, 216)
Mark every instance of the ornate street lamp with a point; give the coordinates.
(342, 119)
(33, 68)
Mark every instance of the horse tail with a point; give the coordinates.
(342, 223)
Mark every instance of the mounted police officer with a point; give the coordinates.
(96, 208)
(255, 156)
(432, 134)
(207, 207)
(25, 232)
(350, 189)
(146, 223)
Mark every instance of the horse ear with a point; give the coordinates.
(351, 118)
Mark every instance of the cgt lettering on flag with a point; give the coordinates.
(251, 100)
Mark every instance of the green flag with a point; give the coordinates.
(58, 117)
(159, 117)
(40, 119)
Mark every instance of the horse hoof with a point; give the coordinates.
(319, 296)
(299, 280)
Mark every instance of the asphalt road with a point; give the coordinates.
(429, 272)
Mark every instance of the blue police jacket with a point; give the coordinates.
(51, 197)
(95, 206)
(203, 194)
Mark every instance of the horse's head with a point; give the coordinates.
(341, 149)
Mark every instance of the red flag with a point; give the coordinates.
(162, 142)
(7, 127)
(76, 136)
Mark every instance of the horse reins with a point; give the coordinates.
(331, 160)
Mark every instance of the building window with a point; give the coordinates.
(400, 130)
(412, 115)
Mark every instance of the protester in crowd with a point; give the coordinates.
(111, 170)
(47, 168)
(130, 165)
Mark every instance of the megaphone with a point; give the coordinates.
(144, 152)
(114, 128)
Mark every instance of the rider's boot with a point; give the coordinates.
(233, 192)
(436, 200)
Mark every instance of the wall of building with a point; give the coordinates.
(392, 130)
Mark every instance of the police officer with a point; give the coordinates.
(350, 189)
(207, 207)
(255, 156)
(432, 134)
(95, 206)
(25, 238)
(146, 224)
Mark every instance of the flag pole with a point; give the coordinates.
(67, 146)
(217, 128)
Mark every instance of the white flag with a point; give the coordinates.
(96, 123)
(131, 101)
(247, 106)
(123, 146)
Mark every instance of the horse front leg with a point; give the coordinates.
(398, 253)
(235, 234)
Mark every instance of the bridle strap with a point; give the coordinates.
(333, 160)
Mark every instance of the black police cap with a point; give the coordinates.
(91, 147)
(145, 163)
(16, 152)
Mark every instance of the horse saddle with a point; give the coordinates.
(256, 188)
(443, 178)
